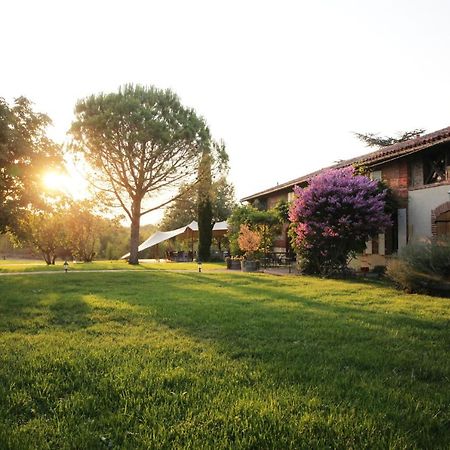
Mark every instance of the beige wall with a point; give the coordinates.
(369, 261)
(420, 204)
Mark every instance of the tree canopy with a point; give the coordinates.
(25, 153)
(373, 140)
(143, 144)
(267, 224)
(70, 228)
(84, 229)
(44, 232)
(184, 209)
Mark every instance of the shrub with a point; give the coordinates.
(379, 270)
(333, 218)
(266, 223)
(248, 241)
(233, 263)
(421, 266)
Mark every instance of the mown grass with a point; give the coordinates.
(154, 359)
(41, 266)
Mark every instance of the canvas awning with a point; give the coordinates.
(189, 231)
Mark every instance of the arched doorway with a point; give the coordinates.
(443, 225)
(440, 221)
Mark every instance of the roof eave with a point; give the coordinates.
(369, 160)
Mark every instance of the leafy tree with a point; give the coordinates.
(373, 140)
(114, 241)
(223, 199)
(266, 223)
(44, 231)
(249, 241)
(181, 211)
(84, 229)
(143, 143)
(25, 153)
(184, 209)
(334, 217)
(9, 246)
(66, 228)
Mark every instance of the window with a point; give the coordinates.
(435, 167)
(260, 203)
(376, 175)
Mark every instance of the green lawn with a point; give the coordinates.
(38, 266)
(157, 359)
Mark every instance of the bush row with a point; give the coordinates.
(422, 267)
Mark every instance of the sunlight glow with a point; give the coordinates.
(70, 183)
(56, 181)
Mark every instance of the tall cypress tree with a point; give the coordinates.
(205, 213)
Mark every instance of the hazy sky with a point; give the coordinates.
(283, 83)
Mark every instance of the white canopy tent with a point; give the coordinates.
(191, 230)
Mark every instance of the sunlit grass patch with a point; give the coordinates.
(157, 359)
(38, 266)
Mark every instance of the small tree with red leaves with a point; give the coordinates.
(333, 218)
(249, 241)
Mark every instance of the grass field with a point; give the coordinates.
(157, 359)
(21, 265)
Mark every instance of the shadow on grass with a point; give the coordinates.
(326, 300)
(360, 353)
(268, 324)
(73, 313)
(36, 306)
(371, 359)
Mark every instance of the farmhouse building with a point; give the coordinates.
(417, 171)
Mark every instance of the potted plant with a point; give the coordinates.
(233, 263)
(249, 242)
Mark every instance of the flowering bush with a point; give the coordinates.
(248, 241)
(333, 217)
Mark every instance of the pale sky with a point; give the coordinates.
(283, 83)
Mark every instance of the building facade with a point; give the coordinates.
(418, 173)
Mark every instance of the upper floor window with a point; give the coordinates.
(260, 203)
(436, 167)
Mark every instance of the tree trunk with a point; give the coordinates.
(47, 258)
(134, 238)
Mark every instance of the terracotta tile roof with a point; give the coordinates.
(369, 159)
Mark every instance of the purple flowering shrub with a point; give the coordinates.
(333, 218)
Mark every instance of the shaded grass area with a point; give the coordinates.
(154, 359)
(38, 266)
